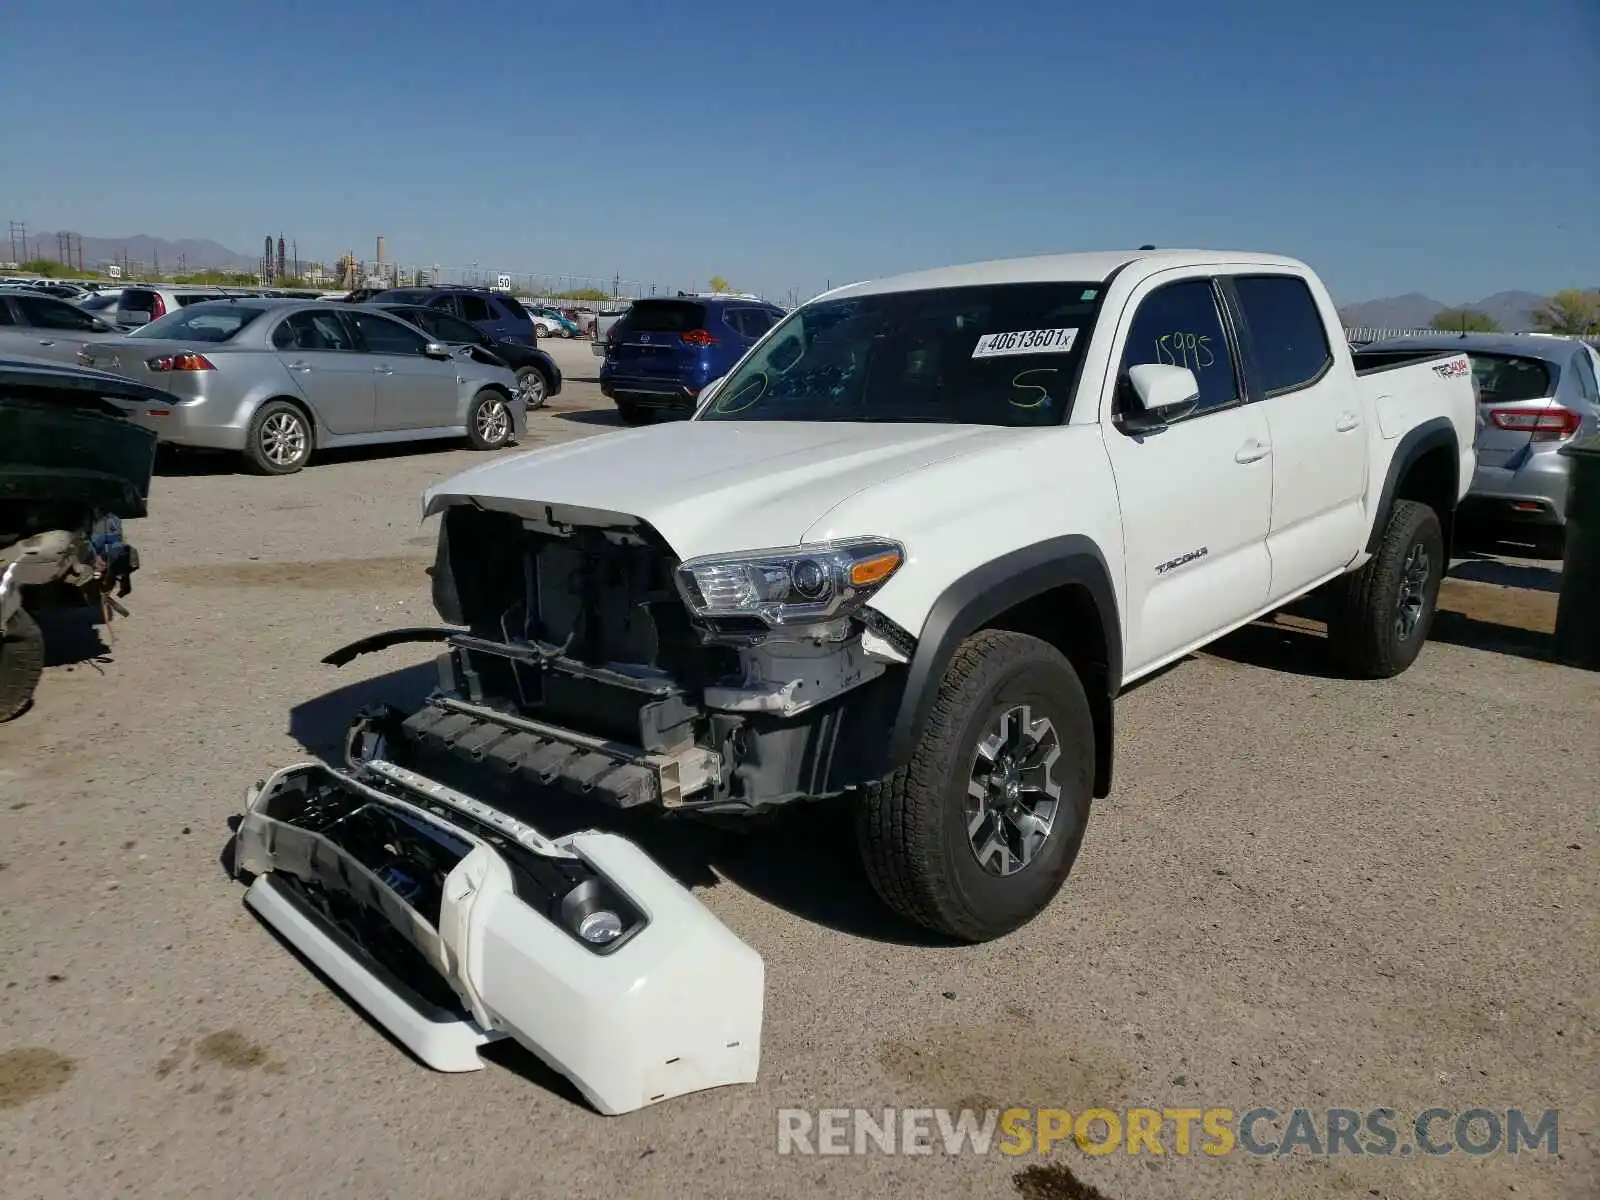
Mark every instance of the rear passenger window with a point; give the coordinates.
(312, 331)
(1179, 326)
(474, 309)
(1287, 333)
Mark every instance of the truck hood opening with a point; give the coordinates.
(715, 486)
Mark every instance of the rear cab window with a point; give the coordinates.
(213, 323)
(1285, 330)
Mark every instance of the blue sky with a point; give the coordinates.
(1445, 147)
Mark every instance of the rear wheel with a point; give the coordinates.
(21, 663)
(1381, 614)
(975, 836)
(489, 421)
(279, 441)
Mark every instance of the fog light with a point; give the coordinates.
(600, 927)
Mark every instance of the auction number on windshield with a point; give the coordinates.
(1025, 341)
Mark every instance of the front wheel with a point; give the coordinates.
(1381, 614)
(532, 388)
(489, 424)
(976, 835)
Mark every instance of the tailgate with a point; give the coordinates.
(454, 923)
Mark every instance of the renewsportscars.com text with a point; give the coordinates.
(1263, 1132)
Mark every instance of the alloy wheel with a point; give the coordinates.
(493, 421)
(283, 439)
(1413, 592)
(1012, 792)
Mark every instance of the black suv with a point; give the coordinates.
(494, 313)
(538, 377)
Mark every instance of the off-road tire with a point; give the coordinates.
(633, 414)
(21, 664)
(1362, 633)
(479, 439)
(255, 451)
(911, 827)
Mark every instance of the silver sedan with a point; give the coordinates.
(278, 379)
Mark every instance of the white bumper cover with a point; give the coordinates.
(672, 1004)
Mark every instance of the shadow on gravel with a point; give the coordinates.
(173, 461)
(593, 416)
(803, 860)
(1477, 569)
(73, 636)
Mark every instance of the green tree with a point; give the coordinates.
(1570, 312)
(718, 284)
(1465, 320)
(587, 293)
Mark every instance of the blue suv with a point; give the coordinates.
(660, 356)
(495, 313)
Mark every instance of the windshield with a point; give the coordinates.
(1001, 354)
(216, 321)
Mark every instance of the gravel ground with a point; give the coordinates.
(1303, 892)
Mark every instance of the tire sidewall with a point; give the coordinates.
(257, 452)
(544, 385)
(1424, 529)
(1052, 690)
(488, 396)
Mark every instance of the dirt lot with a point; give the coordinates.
(1303, 892)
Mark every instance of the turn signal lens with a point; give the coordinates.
(874, 570)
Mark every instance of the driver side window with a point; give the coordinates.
(1180, 325)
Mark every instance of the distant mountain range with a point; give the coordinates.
(1510, 310)
(194, 254)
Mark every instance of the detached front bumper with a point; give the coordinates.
(454, 924)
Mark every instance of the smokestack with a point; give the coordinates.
(380, 251)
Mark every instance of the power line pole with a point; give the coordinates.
(19, 229)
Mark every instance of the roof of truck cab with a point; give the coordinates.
(1094, 267)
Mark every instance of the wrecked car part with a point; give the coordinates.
(385, 640)
(587, 670)
(796, 585)
(454, 924)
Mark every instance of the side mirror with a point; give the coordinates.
(437, 350)
(1164, 394)
(709, 390)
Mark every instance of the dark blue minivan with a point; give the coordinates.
(660, 356)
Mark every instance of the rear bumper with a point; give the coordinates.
(454, 924)
(1534, 493)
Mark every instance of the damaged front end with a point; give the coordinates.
(586, 655)
(454, 924)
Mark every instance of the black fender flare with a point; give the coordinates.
(977, 598)
(1431, 434)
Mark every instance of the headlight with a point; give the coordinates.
(797, 585)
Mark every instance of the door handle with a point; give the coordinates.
(1252, 451)
(383, 370)
(1346, 422)
(299, 366)
(45, 343)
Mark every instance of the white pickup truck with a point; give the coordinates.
(913, 545)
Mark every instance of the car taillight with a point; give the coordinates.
(1544, 425)
(698, 337)
(186, 361)
(158, 307)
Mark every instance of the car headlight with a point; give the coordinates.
(796, 585)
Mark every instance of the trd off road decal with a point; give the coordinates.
(1450, 370)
